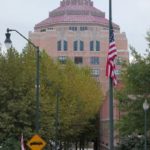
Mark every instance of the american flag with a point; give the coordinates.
(112, 54)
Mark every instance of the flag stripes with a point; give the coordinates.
(112, 54)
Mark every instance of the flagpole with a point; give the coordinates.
(111, 124)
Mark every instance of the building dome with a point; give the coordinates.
(75, 12)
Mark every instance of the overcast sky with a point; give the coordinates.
(133, 17)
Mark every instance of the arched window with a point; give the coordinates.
(65, 45)
(59, 45)
(97, 46)
(75, 45)
(78, 46)
(94, 45)
(91, 45)
(81, 46)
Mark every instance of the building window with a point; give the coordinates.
(43, 30)
(83, 28)
(65, 46)
(73, 28)
(94, 47)
(50, 29)
(75, 45)
(62, 59)
(95, 72)
(81, 46)
(78, 60)
(94, 60)
(119, 61)
(59, 45)
(97, 45)
(91, 45)
(118, 72)
(78, 45)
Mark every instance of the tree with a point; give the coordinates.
(79, 96)
(14, 96)
(77, 103)
(11, 143)
(148, 38)
(133, 142)
(136, 88)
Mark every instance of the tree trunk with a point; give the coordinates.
(76, 145)
(80, 145)
(95, 145)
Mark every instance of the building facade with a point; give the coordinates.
(79, 31)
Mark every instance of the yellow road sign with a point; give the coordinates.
(36, 143)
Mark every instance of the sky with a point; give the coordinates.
(133, 17)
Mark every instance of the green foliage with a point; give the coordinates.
(133, 142)
(136, 88)
(132, 120)
(136, 74)
(10, 144)
(14, 93)
(148, 38)
(77, 103)
(79, 96)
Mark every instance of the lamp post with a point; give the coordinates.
(145, 107)
(57, 122)
(8, 44)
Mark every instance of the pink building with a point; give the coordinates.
(79, 31)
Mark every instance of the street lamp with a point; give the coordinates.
(8, 44)
(145, 107)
